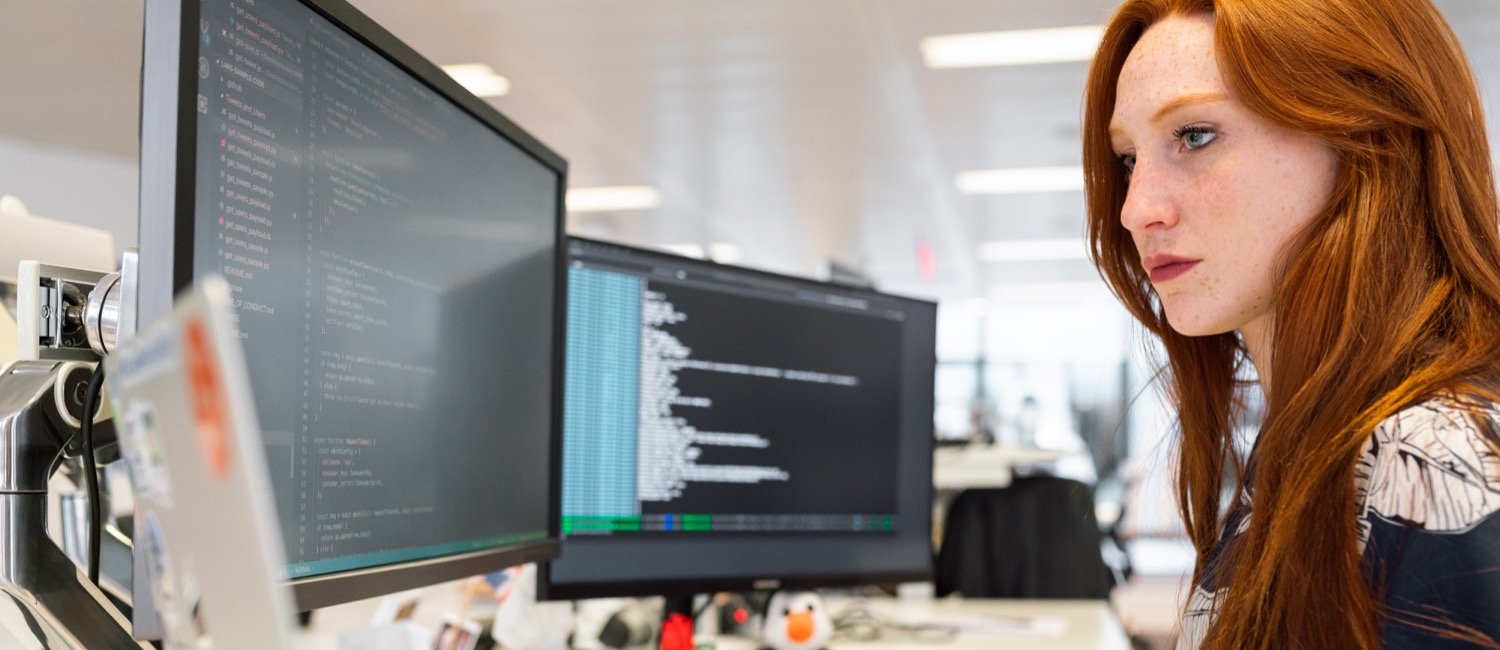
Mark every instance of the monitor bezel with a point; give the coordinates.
(166, 226)
(547, 589)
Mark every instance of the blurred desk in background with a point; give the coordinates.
(985, 466)
(945, 624)
(985, 624)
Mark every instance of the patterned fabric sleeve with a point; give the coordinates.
(1429, 491)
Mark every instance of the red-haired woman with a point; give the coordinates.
(1304, 187)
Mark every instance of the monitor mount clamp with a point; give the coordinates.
(43, 593)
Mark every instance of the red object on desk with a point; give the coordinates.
(677, 633)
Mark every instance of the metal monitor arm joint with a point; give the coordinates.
(66, 318)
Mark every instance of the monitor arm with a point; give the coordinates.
(43, 594)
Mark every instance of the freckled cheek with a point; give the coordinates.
(1211, 199)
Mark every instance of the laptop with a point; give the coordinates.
(205, 514)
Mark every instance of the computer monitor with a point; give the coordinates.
(392, 243)
(726, 429)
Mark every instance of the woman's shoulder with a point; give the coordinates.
(1433, 466)
(1429, 519)
(1440, 422)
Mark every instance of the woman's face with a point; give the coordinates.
(1215, 192)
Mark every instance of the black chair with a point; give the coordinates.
(1037, 538)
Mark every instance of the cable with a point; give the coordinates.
(90, 472)
(858, 621)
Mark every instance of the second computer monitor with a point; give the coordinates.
(727, 429)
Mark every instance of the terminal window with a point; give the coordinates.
(703, 400)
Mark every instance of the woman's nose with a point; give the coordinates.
(1148, 200)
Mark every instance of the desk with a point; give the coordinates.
(990, 466)
(1089, 624)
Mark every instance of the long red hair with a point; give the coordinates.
(1390, 296)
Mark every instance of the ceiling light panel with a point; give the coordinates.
(1018, 47)
(478, 78)
(613, 198)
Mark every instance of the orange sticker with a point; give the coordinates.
(209, 407)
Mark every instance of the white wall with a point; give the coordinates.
(83, 188)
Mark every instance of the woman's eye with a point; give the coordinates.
(1196, 137)
(1128, 162)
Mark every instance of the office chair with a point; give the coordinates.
(1037, 538)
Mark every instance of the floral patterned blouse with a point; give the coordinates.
(1427, 490)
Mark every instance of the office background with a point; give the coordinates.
(777, 134)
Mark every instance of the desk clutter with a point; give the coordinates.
(426, 620)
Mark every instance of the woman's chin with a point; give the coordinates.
(1190, 326)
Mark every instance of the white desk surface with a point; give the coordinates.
(989, 466)
(1084, 624)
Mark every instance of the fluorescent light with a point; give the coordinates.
(612, 198)
(724, 253)
(685, 250)
(478, 78)
(1033, 250)
(1017, 47)
(1021, 180)
(721, 252)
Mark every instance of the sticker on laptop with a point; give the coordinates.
(210, 408)
(140, 444)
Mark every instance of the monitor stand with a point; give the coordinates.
(52, 601)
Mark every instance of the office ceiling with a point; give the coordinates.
(797, 130)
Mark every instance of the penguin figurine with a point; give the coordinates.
(796, 620)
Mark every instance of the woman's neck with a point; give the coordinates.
(1257, 337)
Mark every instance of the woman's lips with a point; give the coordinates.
(1171, 270)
